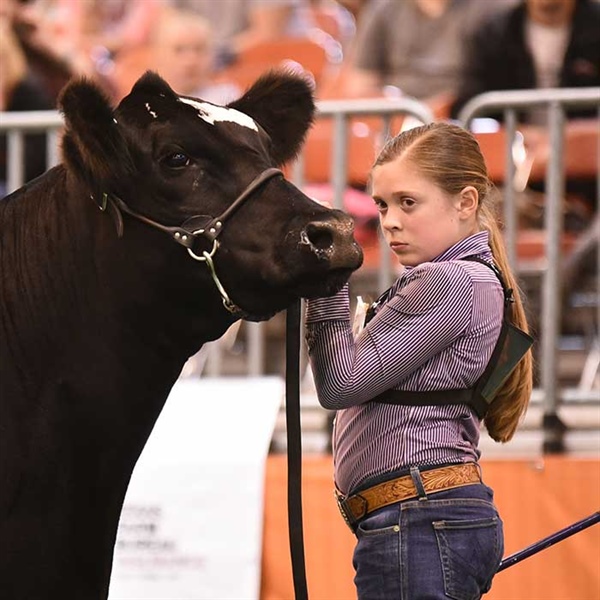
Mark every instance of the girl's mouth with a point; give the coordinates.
(398, 245)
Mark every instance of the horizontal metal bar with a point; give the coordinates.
(33, 120)
(567, 396)
(375, 106)
(500, 100)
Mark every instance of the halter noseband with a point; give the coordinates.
(195, 228)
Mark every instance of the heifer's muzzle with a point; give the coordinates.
(326, 238)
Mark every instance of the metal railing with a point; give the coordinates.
(342, 112)
(16, 125)
(557, 103)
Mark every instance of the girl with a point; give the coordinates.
(406, 436)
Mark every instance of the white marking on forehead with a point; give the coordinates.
(149, 109)
(212, 113)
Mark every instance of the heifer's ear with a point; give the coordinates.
(93, 146)
(282, 102)
(152, 83)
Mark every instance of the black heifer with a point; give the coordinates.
(101, 308)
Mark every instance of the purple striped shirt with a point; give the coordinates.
(436, 331)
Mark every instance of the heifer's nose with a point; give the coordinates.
(333, 241)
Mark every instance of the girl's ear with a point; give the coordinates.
(468, 202)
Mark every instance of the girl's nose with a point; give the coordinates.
(390, 221)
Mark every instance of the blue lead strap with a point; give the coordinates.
(546, 542)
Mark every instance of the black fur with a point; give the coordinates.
(95, 328)
(92, 139)
(282, 102)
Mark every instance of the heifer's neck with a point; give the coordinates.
(77, 288)
(98, 329)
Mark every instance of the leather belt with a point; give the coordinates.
(357, 506)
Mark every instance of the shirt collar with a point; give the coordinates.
(475, 244)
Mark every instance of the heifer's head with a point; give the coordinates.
(207, 176)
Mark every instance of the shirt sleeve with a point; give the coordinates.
(423, 318)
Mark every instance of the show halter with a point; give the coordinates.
(198, 227)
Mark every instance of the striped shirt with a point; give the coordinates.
(436, 330)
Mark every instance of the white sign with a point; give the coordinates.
(191, 526)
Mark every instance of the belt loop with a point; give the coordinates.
(418, 482)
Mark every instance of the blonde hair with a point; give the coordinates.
(450, 157)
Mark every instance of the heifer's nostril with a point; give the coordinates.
(319, 235)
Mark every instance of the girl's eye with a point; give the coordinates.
(177, 160)
(380, 204)
(407, 202)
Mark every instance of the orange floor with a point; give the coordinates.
(535, 499)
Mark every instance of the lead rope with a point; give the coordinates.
(294, 448)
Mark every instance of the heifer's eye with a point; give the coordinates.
(176, 160)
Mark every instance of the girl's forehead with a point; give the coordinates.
(401, 165)
(398, 173)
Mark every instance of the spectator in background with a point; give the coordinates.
(536, 44)
(45, 61)
(117, 25)
(20, 91)
(183, 48)
(355, 7)
(51, 31)
(414, 46)
(65, 38)
(238, 24)
(546, 44)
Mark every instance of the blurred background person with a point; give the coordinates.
(413, 47)
(183, 51)
(65, 38)
(541, 44)
(355, 7)
(47, 42)
(118, 25)
(535, 44)
(20, 91)
(239, 24)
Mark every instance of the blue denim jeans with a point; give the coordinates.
(447, 545)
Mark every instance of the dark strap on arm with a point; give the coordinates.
(474, 396)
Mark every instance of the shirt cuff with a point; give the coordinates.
(332, 308)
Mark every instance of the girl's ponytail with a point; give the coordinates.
(511, 402)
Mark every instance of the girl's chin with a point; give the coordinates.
(408, 259)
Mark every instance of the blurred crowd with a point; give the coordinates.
(439, 51)
(442, 52)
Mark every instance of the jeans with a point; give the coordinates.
(446, 545)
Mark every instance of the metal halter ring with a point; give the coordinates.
(204, 254)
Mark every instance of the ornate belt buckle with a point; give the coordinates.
(341, 502)
(352, 509)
